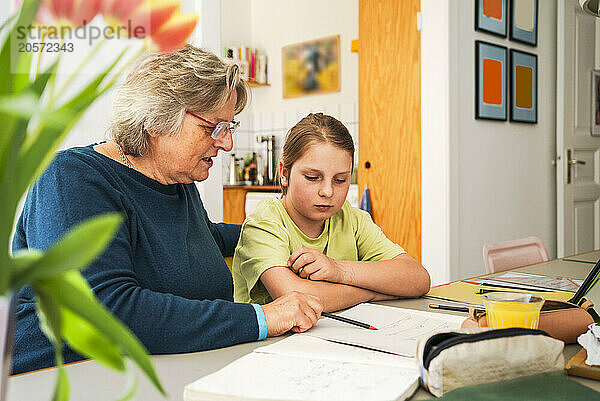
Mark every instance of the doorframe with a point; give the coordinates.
(560, 129)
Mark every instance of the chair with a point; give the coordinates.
(506, 255)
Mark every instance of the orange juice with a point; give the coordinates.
(512, 309)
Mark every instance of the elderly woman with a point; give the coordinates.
(163, 274)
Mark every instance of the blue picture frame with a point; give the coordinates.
(483, 110)
(518, 114)
(490, 25)
(517, 34)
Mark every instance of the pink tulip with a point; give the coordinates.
(69, 12)
(160, 20)
(152, 16)
(173, 34)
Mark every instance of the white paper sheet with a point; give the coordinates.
(260, 376)
(535, 281)
(398, 329)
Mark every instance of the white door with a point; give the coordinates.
(578, 152)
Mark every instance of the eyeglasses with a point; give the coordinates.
(221, 128)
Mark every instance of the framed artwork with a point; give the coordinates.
(523, 87)
(490, 81)
(311, 67)
(523, 21)
(491, 16)
(595, 120)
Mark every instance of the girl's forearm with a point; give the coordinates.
(333, 296)
(402, 276)
(336, 296)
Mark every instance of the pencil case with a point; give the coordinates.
(562, 320)
(467, 357)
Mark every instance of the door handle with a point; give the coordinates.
(571, 162)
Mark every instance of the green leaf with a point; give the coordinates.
(48, 310)
(41, 81)
(23, 106)
(130, 387)
(29, 105)
(19, 262)
(76, 250)
(49, 313)
(15, 136)
(62, 387)
(22, 258)
(74, 293)
(10, 59)
(87, 340)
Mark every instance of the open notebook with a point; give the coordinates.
(304, 367)
(279, 373)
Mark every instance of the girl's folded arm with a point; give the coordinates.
(401, 276)
(280, 281)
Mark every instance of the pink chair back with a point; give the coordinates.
(506, 255)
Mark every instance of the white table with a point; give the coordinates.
(587, 257)
(91, 382)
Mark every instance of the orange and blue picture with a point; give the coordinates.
(523, 84)
(490, 81)
(311, 67)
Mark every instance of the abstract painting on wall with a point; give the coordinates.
(523, 21)
(523, 87)
(490, 81)
(311, 67)
(490, 16)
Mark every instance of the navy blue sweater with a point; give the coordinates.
(163, 275)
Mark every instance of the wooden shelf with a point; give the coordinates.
(254, 84)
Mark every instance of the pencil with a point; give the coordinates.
(486, 290)
(449, 307)
(349, 321)
(508, 287)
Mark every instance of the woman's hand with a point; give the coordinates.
(313, 265)
(294, 311)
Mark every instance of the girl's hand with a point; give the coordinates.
(313, 265)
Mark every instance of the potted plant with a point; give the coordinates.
(36, 117)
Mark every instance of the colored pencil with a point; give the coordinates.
(486, 290)
(449, 307)
(349, 321)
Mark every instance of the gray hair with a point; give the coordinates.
(161, 87)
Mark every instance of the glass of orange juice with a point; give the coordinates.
(512, 309)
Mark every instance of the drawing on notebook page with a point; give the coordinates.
(291, 378)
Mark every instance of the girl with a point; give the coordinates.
(311, 240)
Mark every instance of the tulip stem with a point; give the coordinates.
(72, 76)
(39, 60)
(53, 76)
(123, 68)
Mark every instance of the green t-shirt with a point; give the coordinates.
(269, 236)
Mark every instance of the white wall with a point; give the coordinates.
(498, 177)
(271, 24)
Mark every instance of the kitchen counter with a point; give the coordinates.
(234, 200)
(260, 188)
